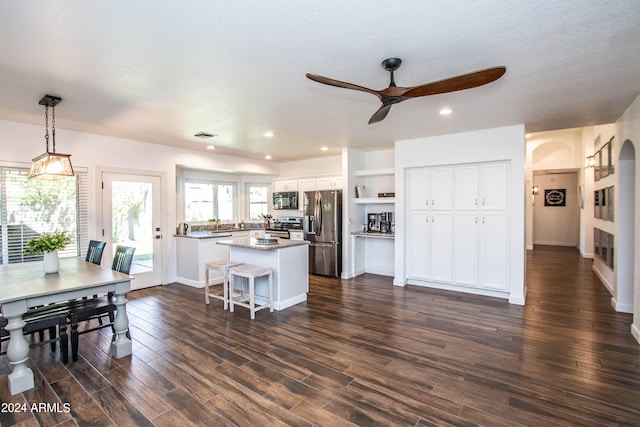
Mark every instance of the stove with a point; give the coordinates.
(281, 228)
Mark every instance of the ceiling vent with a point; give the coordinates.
(204, 135)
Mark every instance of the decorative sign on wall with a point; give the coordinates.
(555, 197)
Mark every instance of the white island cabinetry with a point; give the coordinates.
(289, 261)
(196, 249)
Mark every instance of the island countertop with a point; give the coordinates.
(252, 243)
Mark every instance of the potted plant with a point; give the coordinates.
(48, 245)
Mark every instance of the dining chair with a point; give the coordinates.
(99, 307)
(38, 320)
(94, 251)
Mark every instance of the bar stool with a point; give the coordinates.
(222, 265)
(250, 272)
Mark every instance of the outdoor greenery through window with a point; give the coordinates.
(258, 200)
(206, 201)
(32, 207)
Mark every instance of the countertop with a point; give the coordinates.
(208, 234)
(251, 243)
(373, 234)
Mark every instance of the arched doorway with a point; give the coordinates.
(624, 258)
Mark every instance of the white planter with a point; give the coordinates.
(51, 262)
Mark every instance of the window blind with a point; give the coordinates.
(29, 208)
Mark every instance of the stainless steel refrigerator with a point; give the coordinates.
(323, 228)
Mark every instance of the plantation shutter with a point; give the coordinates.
(32, 207)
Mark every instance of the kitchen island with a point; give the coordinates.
(289, 260)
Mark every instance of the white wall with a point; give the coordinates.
(506, 143)
(21, 142)
(556, 225)
(628, 129)
(311, 167)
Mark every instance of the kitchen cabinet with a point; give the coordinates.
(431, 246)
(458, 225)
(329, 183)
(288, 185)
(431, 188)
(307, 185)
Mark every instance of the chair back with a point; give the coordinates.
(122, 259)
(94, 251)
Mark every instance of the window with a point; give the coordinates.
(204, 201)
(29, 208)
(258, 200)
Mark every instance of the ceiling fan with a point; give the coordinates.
(395, 94)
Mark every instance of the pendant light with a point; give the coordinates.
(51, 165)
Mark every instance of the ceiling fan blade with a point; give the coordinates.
(380, 114)
(338, 83)
(465, 81)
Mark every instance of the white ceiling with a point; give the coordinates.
(161, 71)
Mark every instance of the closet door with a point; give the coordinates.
(494, 187)
(466, 239)
(441, 188)
(466, 188)
(418, 246)
(418, 189)
(441, 249)
(494, 250)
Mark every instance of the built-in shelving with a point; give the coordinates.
(371, 200)
(375, 172)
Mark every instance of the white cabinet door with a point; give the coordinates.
(441, 248)
(493, 250)
(494, 186)
(307, 185)
(441, 188)
(286, 186)
(418, 193)
(332, 183)
(466, 188)
(465, 248)
(418, 246)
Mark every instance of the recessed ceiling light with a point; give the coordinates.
(204, 135)
(324, 148)
(268, 157)
(528, 135)
(210, 147)
(446, 111)
(269, 134)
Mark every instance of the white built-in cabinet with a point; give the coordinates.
(288, 185)
(329, 183)
(309, 184)
(458, 225)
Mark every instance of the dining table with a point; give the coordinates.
(26, 285)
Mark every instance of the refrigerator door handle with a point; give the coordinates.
(318, 211)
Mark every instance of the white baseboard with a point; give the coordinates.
(621, 308)
(604, 281)
(635, 332)
(290, 302)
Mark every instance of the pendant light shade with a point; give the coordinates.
(51, 165)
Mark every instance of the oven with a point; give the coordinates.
(282, 228)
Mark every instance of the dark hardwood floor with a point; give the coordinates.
(358, 352)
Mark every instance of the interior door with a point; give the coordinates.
(131, 216)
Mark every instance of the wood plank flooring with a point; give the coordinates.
(358, 352)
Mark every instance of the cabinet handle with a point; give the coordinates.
(476, 220)
(483, 220)
(483, 201)
(475, 202)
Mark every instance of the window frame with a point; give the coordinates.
(248, 202)
(216, 184)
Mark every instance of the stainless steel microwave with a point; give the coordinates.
(285, 200)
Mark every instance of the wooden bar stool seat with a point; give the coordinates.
(223, 294)
(249, 298)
